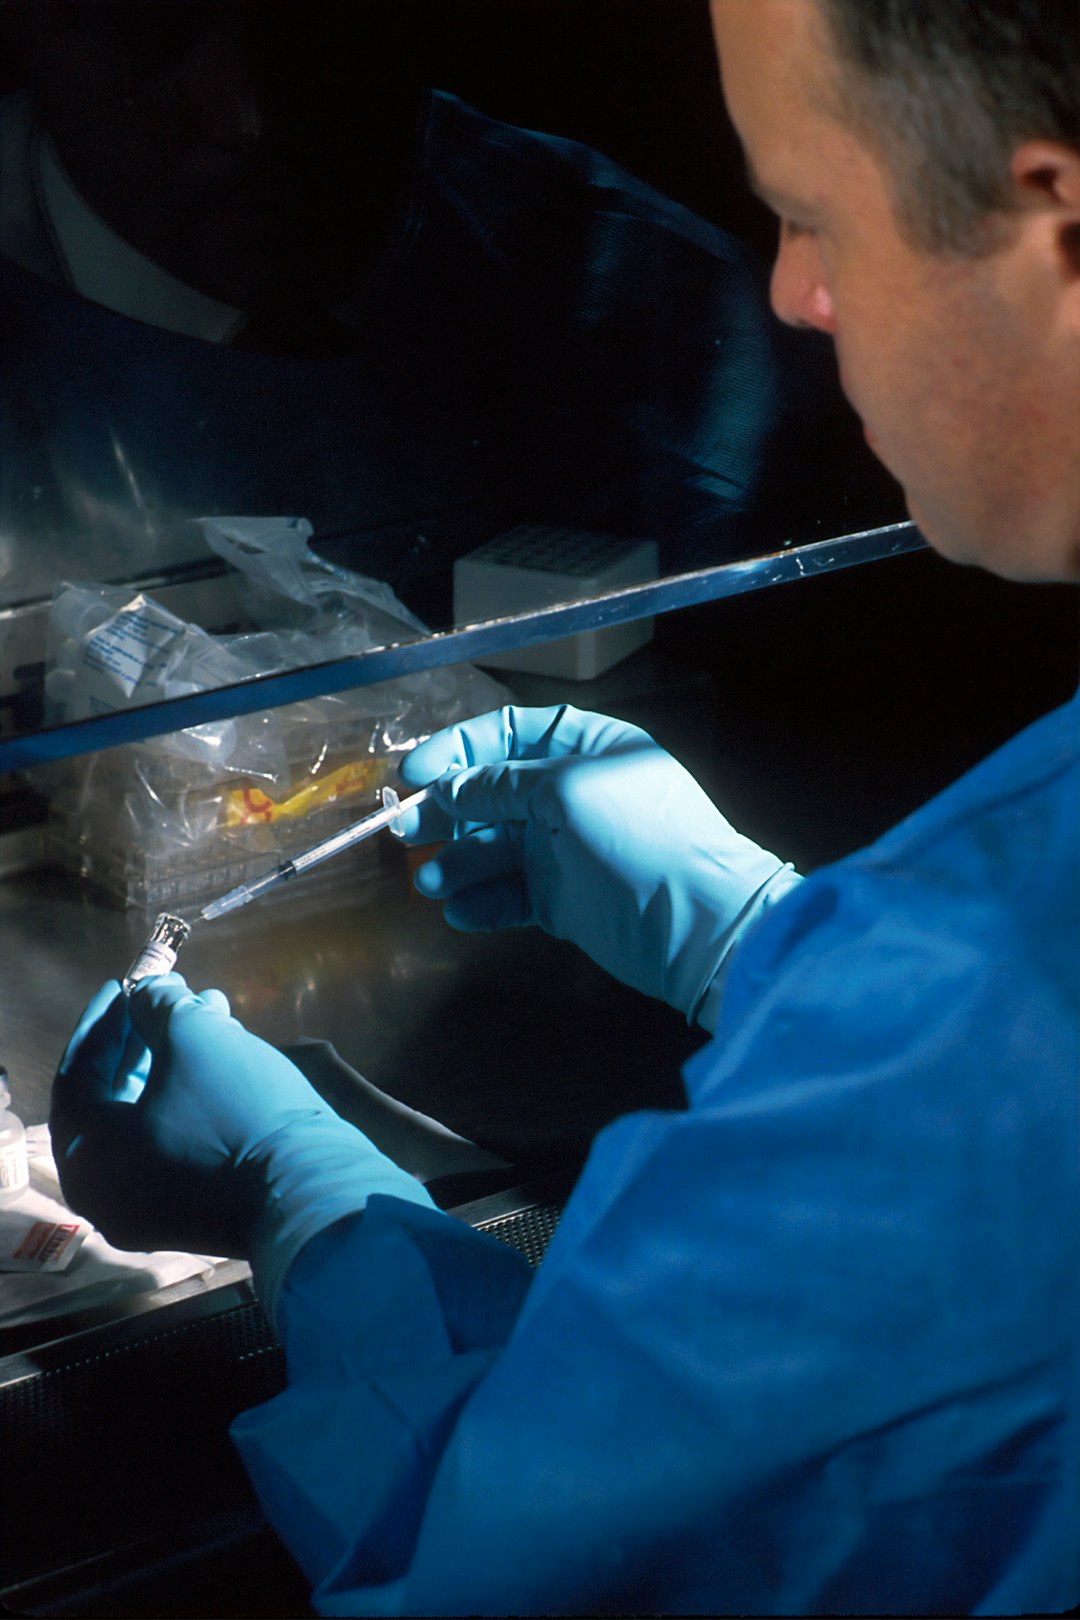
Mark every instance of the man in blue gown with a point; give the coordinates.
(811, 1345)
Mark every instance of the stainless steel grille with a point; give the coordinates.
(116, 1447)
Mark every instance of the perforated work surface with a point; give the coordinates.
(129, 1442)
(529, 1230)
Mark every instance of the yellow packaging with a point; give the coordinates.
(245, 806)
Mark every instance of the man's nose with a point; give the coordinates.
(798, 292)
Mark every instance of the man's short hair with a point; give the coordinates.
(947, 90)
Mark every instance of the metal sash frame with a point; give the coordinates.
(469, 643)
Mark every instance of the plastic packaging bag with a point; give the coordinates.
(172, 820)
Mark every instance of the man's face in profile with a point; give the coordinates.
(956, 364)
(256, 152)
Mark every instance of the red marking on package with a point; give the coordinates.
(46, 1241)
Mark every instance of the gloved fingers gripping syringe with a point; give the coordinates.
(162, 946)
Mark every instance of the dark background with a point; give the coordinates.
(636, 79)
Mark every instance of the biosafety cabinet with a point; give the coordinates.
(486, 1063)
(542, 444)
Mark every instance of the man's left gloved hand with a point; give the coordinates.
(584, 825)
(174, 1127)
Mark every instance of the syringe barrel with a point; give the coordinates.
(359, 830)
(245, 892)
(306, 858)
(270, 880)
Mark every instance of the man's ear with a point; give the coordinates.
(1046, 181)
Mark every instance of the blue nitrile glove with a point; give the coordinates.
(584, 825)
(174, 1127)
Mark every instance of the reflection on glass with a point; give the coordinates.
(253, 265)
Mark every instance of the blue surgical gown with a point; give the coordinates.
(810, 1345)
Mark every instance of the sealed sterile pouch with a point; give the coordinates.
(53, 1262)
(108, 649)
(171, 821)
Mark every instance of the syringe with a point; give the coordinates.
(393, 807)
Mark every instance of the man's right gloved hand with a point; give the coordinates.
(174, 1127)
(584, 825)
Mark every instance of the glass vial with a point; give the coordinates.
(14, 1165)
(159, 951)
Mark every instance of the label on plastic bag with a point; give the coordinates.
(131, 649)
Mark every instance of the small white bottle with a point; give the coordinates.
(14, 1167)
